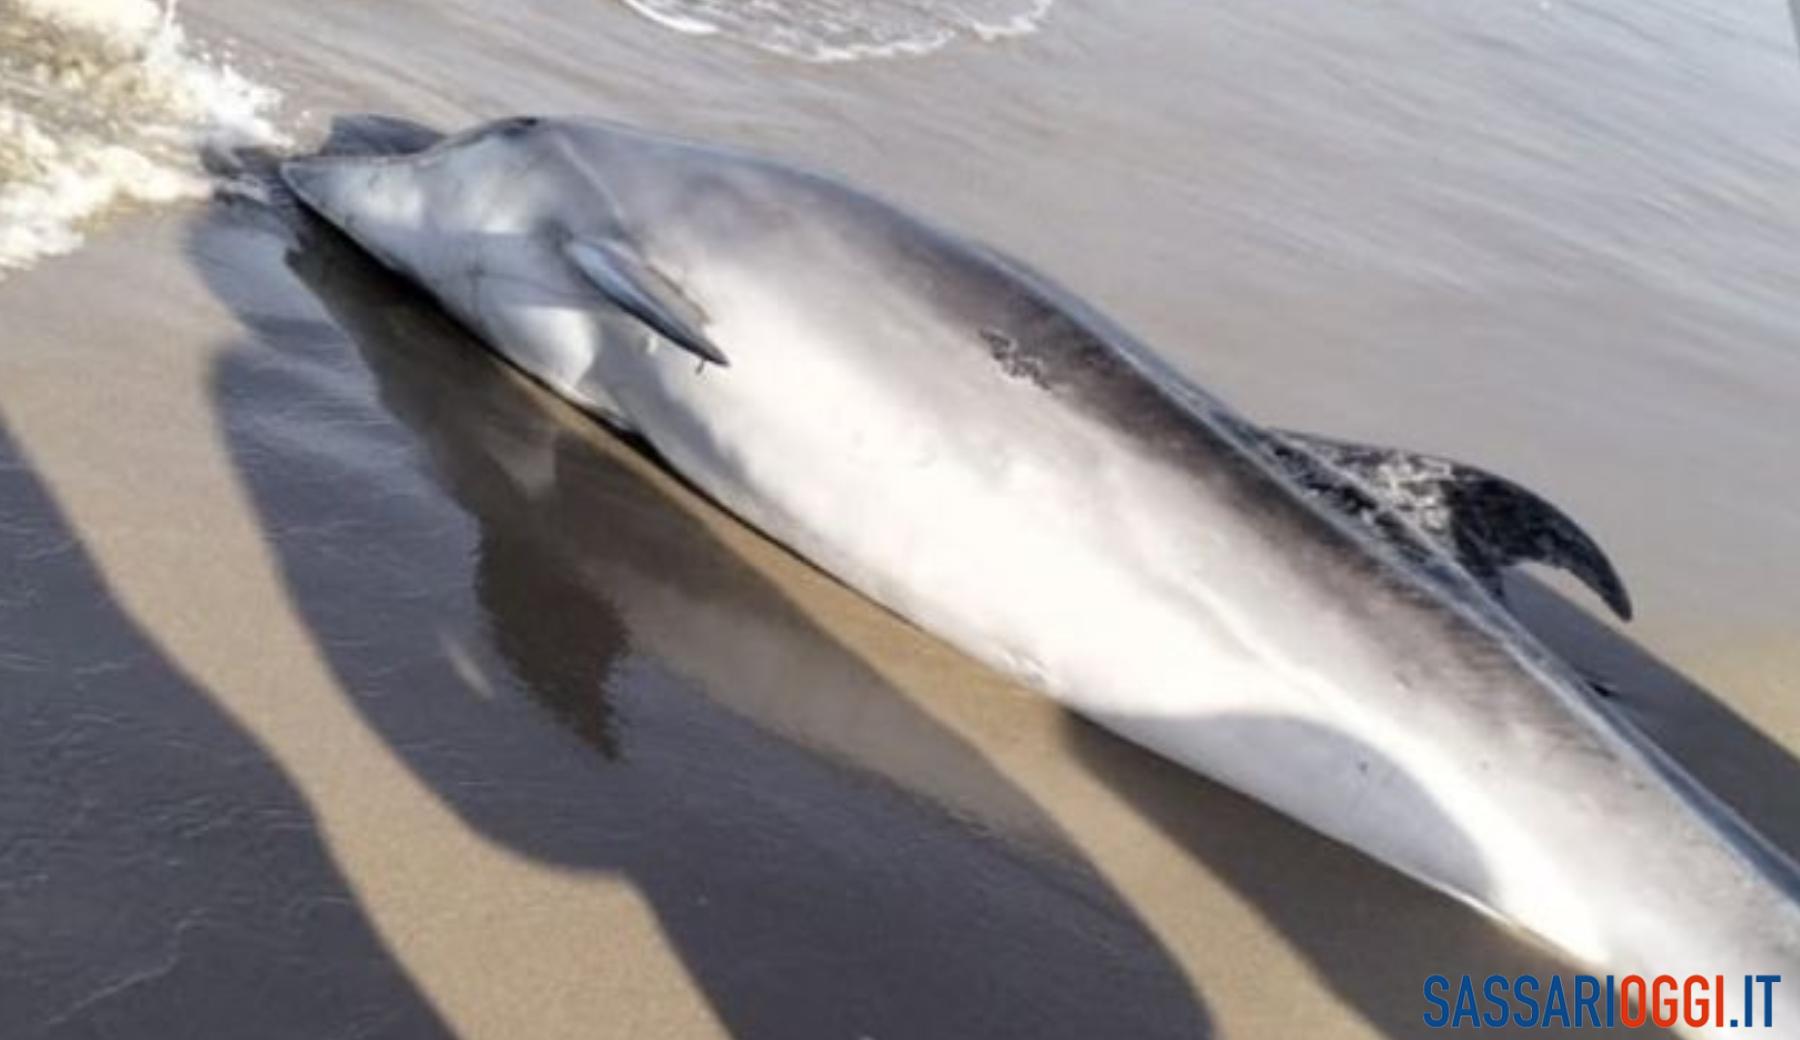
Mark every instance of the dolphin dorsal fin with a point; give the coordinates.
(635, 286)
(1485, 522)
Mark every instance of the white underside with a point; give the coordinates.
(1051, 548)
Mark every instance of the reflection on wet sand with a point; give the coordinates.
(159, 874)
(573, 517)
(561, 582)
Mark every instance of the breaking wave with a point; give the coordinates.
(103, 104)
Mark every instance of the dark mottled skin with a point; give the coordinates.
(1040, 334)
(1487, 522)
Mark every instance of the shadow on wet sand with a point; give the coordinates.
(159, 874)
(1731, 758)
(583, 674)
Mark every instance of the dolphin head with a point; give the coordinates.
(377, 201)
(382, 182)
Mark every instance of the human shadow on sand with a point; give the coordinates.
(159, 875)
(585, 675)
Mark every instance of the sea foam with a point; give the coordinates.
(105, 104)
(848, 30)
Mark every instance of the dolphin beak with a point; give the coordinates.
(367, 199)
(306, 178)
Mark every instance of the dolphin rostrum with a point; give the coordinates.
(1317, 624)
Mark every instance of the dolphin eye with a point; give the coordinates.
(513, 127)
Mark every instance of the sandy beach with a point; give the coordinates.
(351, 685)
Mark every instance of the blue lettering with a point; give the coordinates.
(1526, 989)
(1465, 1006)
(1768, 985)
(1434, 986)
(1495, 989)
(1556, 1003)
(1587, 998)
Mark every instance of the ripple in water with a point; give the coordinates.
(847, 30)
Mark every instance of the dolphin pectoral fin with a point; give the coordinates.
(1485, 521)
(635, 286)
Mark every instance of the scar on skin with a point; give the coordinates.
(1013, 359)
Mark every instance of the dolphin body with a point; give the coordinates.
(1314, 623)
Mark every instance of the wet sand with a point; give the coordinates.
(354, 686)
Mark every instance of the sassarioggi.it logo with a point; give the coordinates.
(1589, 1001)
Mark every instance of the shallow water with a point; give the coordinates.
(541, 738)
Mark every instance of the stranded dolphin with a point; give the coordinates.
(946, 431)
